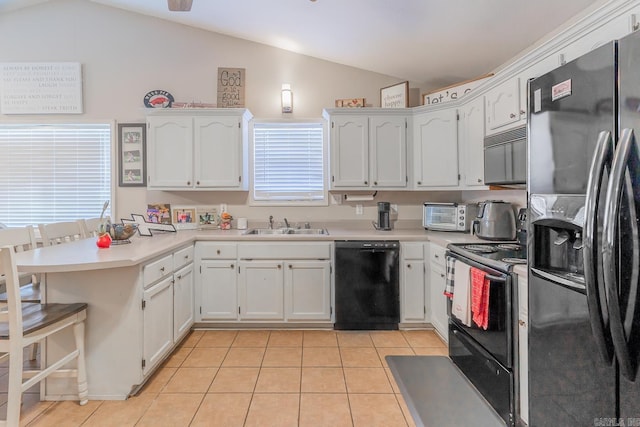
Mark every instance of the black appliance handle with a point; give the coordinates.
(495, 278)
(559, 280)
(597, 304)
(609, 246)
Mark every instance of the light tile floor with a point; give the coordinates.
(257, 378)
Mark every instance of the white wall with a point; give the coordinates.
(125, 55)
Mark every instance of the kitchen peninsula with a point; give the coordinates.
(128, 289)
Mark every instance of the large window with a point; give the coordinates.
(53, 172)
(288, 163)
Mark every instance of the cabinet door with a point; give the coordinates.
(436, 145)
(158, 323)
(523, 347)
(472, 142)
(218, 290)
(182, 301)
(308, 290)
(388, 144)
(350, 151)
(439, 318)
(413, 297)
(503, 106)
(260, 290)
(218, 152)
(170, 152)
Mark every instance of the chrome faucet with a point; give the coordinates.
(271, 222)
(286, 223)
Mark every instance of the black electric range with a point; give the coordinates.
(502, 256)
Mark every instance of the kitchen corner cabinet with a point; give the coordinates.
(196, 150)
(368, 150)
(439, 316)
(435, 143)
(414, 299)
(504, 107)
(471, 132)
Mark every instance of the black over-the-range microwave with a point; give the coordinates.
(505, 157)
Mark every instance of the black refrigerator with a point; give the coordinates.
(584, 249)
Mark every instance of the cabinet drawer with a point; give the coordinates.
(215, 250)
(287, 251)
(182, 257)
(157, 270)
(412, 250)
(437, 254)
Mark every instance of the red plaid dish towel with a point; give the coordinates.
(480, 297)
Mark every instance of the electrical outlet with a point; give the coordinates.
(394, 207)
(359, 210)
(223, 207)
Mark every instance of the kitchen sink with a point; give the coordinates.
(264, 231)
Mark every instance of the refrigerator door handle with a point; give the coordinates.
(609, 233)
(596, 302)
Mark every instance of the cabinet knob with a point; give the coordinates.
(479, 180)
(522, 112)
(188, 182)
(436, 256)
(231, 265)
(162, 269)
(197, 182)
(521, 322)
(408, 265)
(186, 257)
(366, 183)
(279, 266)
(179, 276)
(218, 252)
(442, 275)
(375, 182)
(290, 266)
(419, 182)
(512, 116)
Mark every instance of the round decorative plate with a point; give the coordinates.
(158, 99)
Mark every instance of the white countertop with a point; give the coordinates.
(84, 255)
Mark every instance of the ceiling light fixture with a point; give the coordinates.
(179, 5)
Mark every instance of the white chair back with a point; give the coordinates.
(91, 226)
(60, 232)
(21, 238)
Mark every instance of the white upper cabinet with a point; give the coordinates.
(504, 109)
(435, 142)
(471, 139)
(196, 150)
(368, 150)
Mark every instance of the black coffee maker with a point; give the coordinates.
(384, 216)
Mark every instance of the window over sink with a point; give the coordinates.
(54, 172)
(288, 163)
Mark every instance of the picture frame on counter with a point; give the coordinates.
(184, 217)
(132, 163)
(395, 96)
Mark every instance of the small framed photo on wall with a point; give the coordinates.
(132, 165)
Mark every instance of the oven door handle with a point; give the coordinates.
(495, 278)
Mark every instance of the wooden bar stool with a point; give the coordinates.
(23, 324)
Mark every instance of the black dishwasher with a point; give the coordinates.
(367, 285)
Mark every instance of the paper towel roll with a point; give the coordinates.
(358, 197)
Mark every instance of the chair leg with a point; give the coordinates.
(83, 391)
(14, 398)
(34, 351)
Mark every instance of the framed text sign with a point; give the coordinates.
(231, 87)
(396, 96)
(40, 88)
(453, 92)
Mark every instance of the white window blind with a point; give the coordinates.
(288, 163)
(51, 172)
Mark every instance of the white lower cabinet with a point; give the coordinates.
(439, 317)
(523, 346)
(157, 316)
(413, 295)
(261, 290)
(307, 286)
(167, 305)
(183, 315)
(218, 290)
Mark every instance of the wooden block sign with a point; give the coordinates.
(231, 87)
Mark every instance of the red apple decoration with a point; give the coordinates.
(104, 240)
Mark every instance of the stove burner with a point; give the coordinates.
(514, 260)
(481, 248)
(510, 247)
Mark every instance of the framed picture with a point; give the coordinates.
(132, 170)
(396, 96)
(184, 217)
